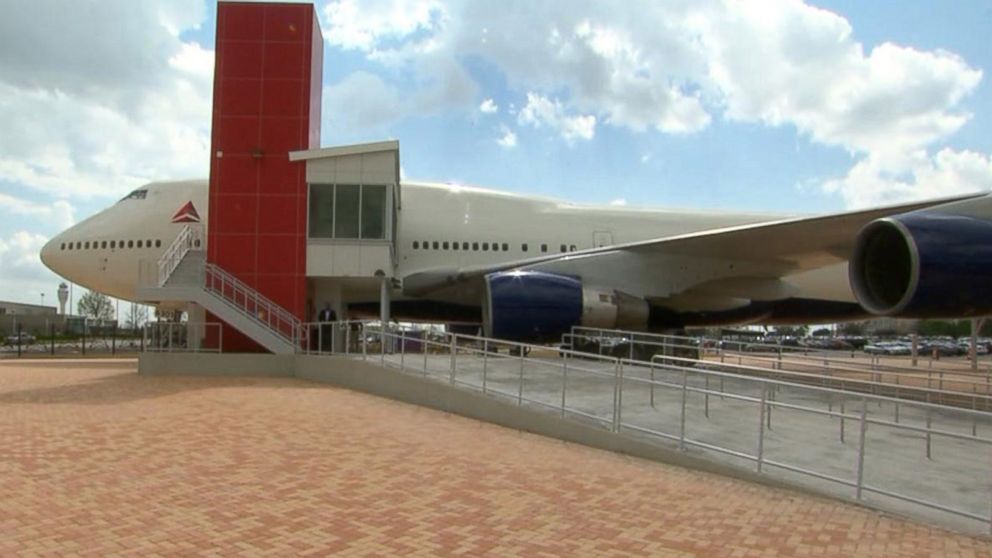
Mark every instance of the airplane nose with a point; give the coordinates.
(49, 254)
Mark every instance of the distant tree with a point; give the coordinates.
(822, 332)
(953, 328)
(96, 305)
(137, 316)
(851, 328)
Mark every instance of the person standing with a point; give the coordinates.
(325, 317)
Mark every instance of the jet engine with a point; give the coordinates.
(536, 306)
(924, 264)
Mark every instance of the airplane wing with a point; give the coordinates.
(749, 261)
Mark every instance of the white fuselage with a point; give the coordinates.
(105, 252)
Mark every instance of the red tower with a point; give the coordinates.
(267, 92)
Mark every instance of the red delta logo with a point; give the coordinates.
(186, 214)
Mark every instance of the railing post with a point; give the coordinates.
(564, 381)
(929, 436)
(453, 348)
(616, 393)
(842, 417)
(619, 419)
(768, 412)
(761, 427)
(861, 447)
(652, 383)
(520, 390)
(706, 397)
(685, 392)
(485, 363)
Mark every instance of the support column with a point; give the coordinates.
(195, 327)
(385, 295)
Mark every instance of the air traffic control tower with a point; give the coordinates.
(292, 227)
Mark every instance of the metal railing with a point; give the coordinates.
(170, 337)
(190, 238)
(819, 365)
(250, 303)
(837, 440)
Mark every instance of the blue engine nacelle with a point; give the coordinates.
(535, 306)
(924, 264)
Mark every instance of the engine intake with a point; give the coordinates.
(537, 306)
(924, 265)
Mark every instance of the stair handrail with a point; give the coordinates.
(189, 238)
(254, 305)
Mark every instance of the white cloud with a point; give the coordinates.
(361, 101)
(60, 213)
(488, 107)
(508, 139)
(675, 66)
(619, 202)
(874, 181)
(19, 256)
(363, 25)
(100, 107)
(541, 111)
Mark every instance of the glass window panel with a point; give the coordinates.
(321, 210)
(373, 212)
(346, 211)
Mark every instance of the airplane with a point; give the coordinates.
(529, 268)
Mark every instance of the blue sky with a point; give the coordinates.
(777, 105)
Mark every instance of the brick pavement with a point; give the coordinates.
(98, 461)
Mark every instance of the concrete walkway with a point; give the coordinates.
(99, 461)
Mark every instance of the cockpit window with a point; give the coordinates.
(138, 194)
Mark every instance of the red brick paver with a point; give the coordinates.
(97, 460)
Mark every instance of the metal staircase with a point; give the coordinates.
(182, 273)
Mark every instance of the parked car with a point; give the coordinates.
(24, 339)
(895, 348)
(943, 348)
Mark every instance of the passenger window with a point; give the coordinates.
(113, 244)
(63, 246)
(445, 245)
(454, 245)
(148, 243)
(475, 246)
(87, 244)
(562, 248)
(139, 244)
(464, 245)
(416, 245)
(158, 243)
(435, 244)
(130, 244)
(103, 244)
(485, 246)
(506, 247)
(571, 248)
(523, 247)
(544, 247)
